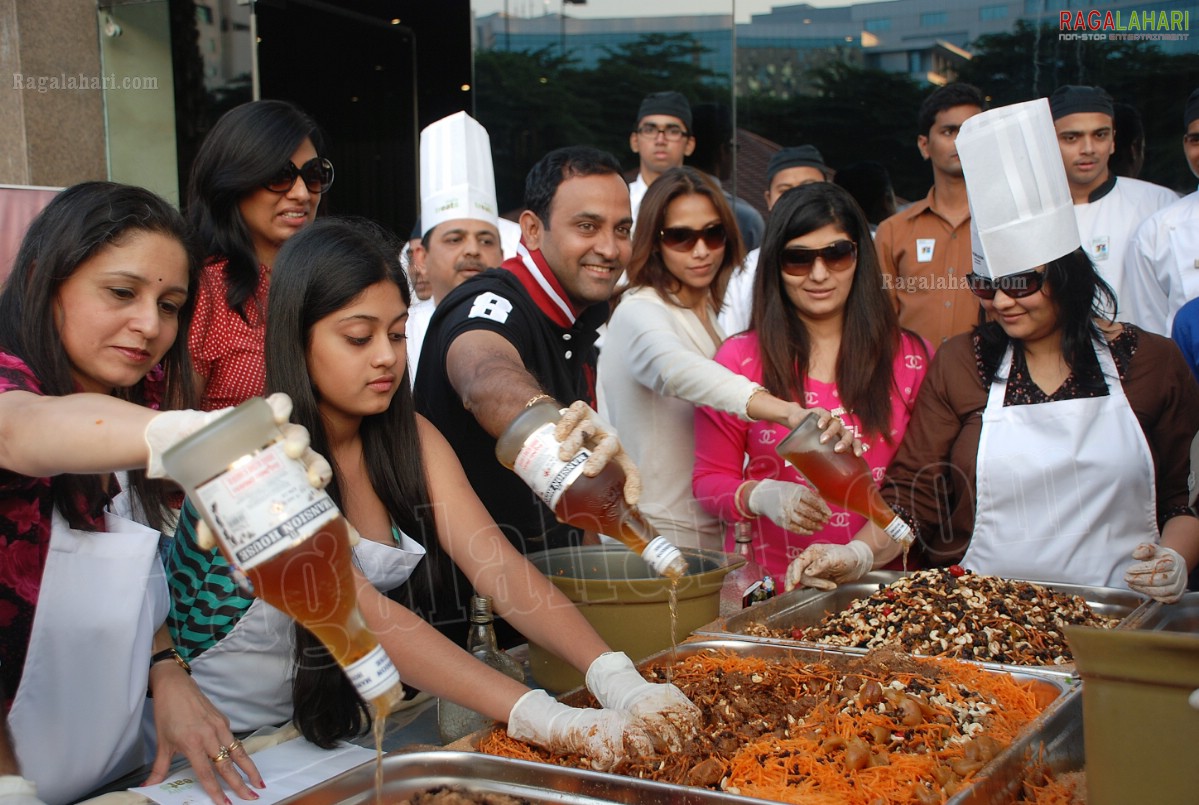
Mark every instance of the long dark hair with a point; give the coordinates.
(870, 333)
(1079, 295)
(646, 267)
(77, 224)
(319, 271)
(246, 147)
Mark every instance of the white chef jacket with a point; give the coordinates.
(1161, 266)
(1109, 219)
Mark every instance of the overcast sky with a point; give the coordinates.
(643, 8)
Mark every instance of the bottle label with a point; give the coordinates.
(263, 504)
(373, 675)
(900, 531)
(660, 554)
(538, 465)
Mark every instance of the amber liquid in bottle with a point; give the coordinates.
(842, 479)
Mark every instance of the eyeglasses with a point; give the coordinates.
(682, 238)
(838, 256)
(671, 132)
(1016, 286)
(317, 174)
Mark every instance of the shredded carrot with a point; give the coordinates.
(804, 757)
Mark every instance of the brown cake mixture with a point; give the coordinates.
(884, 729)
(956, 613)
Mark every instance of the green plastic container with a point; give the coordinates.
(1140, 725)
(626, 602)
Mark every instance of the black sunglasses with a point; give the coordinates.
(1016, 286)
(317, 174)
(682, 239)
(799, 262)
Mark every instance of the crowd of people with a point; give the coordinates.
(998, 353)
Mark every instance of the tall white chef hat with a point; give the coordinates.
(1021, 213)
(456, 176)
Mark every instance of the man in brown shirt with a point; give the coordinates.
(925, 248)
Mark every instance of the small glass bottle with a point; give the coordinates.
(453, 720)
(842, 479)
(286, 538)
(737, 584)
(528, 447)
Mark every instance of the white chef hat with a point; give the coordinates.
(456, 176)
(1021, 213)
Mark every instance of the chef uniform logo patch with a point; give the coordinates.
(924, 249)
(1100, 247)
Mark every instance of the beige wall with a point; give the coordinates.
(53, 137)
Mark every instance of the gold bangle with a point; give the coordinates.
(758, 389)
(741, 510)
(533, 401)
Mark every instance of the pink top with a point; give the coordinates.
(723, 442)
(228, 352)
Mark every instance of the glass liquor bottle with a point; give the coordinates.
(288, 539)
(528, 447)
(841, 478)
(453, 720)
(736, 592)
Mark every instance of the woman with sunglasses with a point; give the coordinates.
(1046, 360)
(257, 180)
(822, 330)
(656, 365)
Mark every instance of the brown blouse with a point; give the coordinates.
(930, 481)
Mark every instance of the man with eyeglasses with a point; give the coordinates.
(924, 250)
(1161, 266)
(787, 168)
(1108, 208)
(661, 139)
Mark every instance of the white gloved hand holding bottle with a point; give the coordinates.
(605, 737)
(794, 507)
(581, 426)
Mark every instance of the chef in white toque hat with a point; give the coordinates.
(459, 215)
(1050, 443)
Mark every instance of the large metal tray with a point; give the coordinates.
(405, 774)
(805, 608)
(1182, 616)
(1056, 692)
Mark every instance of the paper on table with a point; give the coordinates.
(287, 769)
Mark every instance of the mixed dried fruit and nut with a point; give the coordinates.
(956, 613)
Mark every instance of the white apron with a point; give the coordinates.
(76, 717)
(1064, 490)
(248, 674)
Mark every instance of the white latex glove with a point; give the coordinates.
(824, 565)
(1160, 572)
(16, 790)
(605, 737)
(794, 507)
(581, 426)
(664, 710)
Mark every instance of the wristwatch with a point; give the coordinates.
(164, 655)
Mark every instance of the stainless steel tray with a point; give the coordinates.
(1062, 713)
(405, 774)
(1058, 744)
(1179, 617)
(805, 608)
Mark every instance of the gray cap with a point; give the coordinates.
(1072, 99)
(666, 103)
(799, 156)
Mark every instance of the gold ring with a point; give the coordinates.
(233, 747)
(221, 756)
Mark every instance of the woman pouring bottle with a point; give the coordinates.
(1051, 443)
